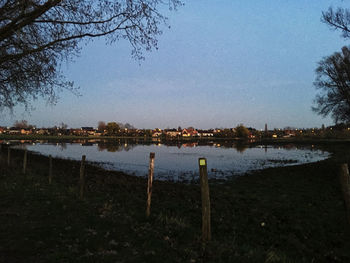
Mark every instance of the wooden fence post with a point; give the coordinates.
(150, 181)
(50, 169)
(203, 174)
(82, 176)
(9, 155)
(25, 161)
(345, 186)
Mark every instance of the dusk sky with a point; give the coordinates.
(220, 64)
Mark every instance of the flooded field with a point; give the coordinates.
(179, 161)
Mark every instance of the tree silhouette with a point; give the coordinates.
(333, 72)
(112, 128)
(101, 126)
(333, 81)
(338, 19)
(37, 35)
(242, 131)
(23, 124)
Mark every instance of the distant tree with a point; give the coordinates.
(37, 35)
(333, 81)
(148, 133)
(112, 128)
(63, 126)
(242, 131)
(62, 129)
(226, 133)
(128, 126)
(23, 124)
(101, 126)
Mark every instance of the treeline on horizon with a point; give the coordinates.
(119, 129)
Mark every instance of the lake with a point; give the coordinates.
(179, 161)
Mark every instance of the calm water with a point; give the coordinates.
(180, 161)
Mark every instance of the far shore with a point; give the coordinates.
(299, 139)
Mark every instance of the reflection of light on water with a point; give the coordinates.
(181, 163)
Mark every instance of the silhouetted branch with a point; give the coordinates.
(36, 35)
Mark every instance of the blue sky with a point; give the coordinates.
(220, 64)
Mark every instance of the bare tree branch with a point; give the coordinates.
(333, 81)
(36, 35)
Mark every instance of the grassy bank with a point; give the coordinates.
(291, 214)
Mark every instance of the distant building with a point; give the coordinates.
(189, 132)
(14, 130)
(76, 132)
(206, 133)
(156, 134)
(26, 131)
(88, 131)
(42, 132)
(173, 133)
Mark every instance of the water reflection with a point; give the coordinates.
(176, 160)
(63, 146)
(120, 145)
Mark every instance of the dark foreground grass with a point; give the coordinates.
(291, 214)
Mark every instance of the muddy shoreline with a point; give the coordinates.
(290, 214)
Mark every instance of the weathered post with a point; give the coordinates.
(82, 176)
(150, 181)
(345, 186)
(25, 161)
(50, 169)
(203, 177)
(9, 155)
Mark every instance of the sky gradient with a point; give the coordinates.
(220, 64)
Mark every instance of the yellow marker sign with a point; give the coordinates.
(202, 162)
